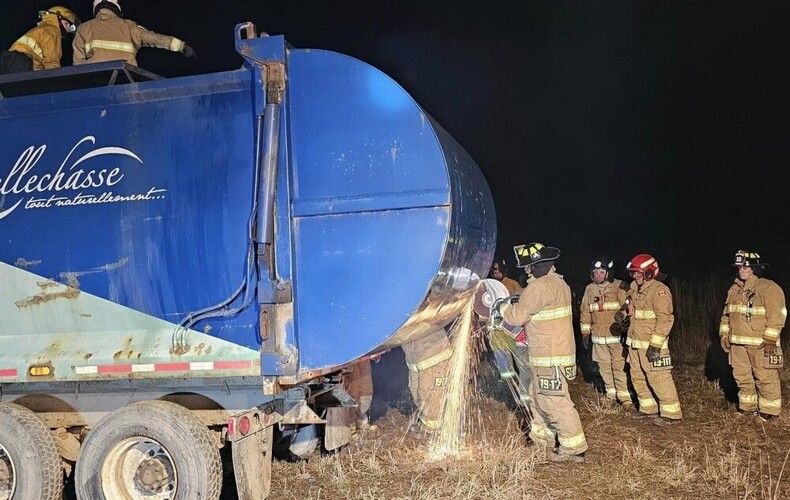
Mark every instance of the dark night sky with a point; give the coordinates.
(620, 127)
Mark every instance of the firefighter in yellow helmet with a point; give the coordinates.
(651, 318)
(544, 308)
(110, 37)
(601, 301)
(754, 315)
(41, 47)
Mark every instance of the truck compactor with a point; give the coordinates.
(188, 264)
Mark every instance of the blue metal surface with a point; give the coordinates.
(382, 223)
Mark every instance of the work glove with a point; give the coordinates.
(653, 354)
(586, 342)
(189, 52)
(725, 343)
(497, 312)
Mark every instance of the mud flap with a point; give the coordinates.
(252, 464)
(337, 431)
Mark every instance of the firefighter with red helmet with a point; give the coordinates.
(754, 315)
(651, 318)
(601, 301)
(547, 350)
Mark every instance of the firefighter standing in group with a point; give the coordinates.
(601, 301)
(651, 318)
(754, 315)
(544, 308)
(41, 47)
(110, 37)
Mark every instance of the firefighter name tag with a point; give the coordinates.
(662, 362)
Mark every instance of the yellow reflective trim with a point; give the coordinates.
(586, 327)
(176, 45)
(624, 395)
(542, 432)
(669, 407)
(724, 328)
(744, 309)
(524, 398)
(647, 403)
(657, 340)
(431, 424)
(744, 340)
(568, 360)
(642, 314)
(771, 333)
(605, 340)
(553, 313)
(644, 344)
(108, 45)
(770, 403)
(432, 361)
(32, 44)
(607, 306)
(507, 374)
(747, 398)
(573, 442)
(611, 392)
(784, 312)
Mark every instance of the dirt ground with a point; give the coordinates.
(713, 453)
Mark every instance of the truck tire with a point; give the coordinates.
(150, 449)
(29, 461)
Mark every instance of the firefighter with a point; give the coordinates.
(359, 385)
(41, 47)
(753, 317)
(601, 301)
(499, 272)
(110, 37)
(544, 308)
(651, 318)
(428, 361)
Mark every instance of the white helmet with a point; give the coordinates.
(113, 5)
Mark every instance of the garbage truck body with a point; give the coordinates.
(223, 245)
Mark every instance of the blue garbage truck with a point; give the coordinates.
(190, 264)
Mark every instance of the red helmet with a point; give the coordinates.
(644, 263)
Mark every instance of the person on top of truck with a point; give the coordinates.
(110, 37)
(41, 47)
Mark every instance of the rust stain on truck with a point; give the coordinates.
(71, 291)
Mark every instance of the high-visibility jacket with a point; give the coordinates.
(42, 44)
(599, 305)
(544, 308)
(754, 312)
(108, 37)
(651, 315)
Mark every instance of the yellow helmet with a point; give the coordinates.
(62, 13)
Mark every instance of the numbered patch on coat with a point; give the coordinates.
(440, 381)
(550, 384)
(775, 358)
(662, 362)
(569, 372)
(549, 380)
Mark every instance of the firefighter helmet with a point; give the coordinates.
(62, 14)
(113, 5)
(748, 259)
(499, 265)
(532, 253)
(645, 264)
(605, 263)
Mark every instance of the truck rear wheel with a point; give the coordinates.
(152, 450)
(29, 461)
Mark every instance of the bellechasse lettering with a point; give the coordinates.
(66, 187)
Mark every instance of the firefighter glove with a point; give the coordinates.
(653, 353)
(725, 343)
(189, 52)
(586, 341)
